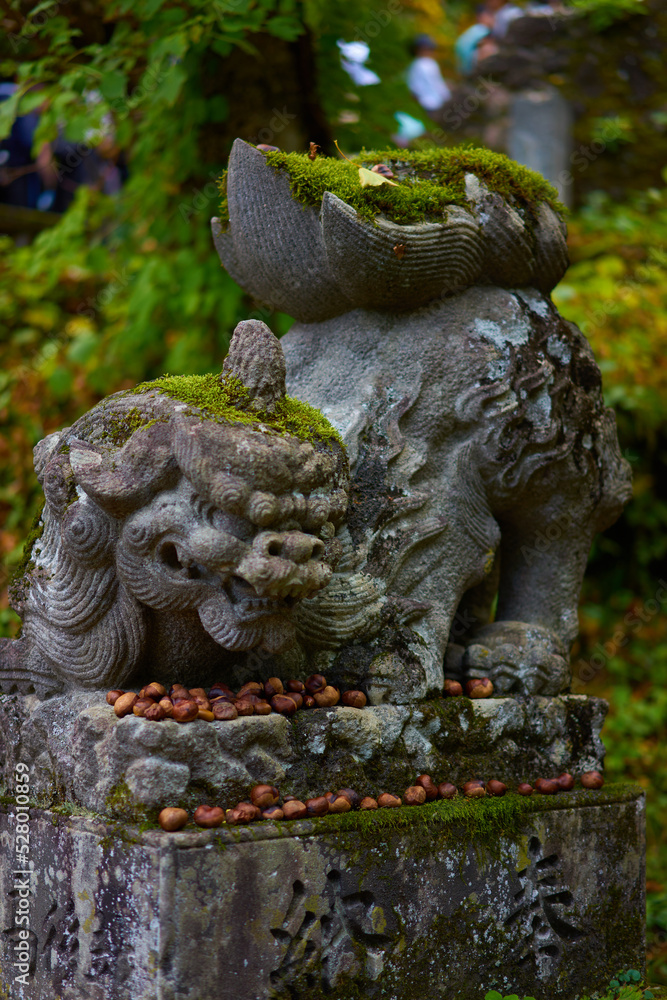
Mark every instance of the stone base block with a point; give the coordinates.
(540, 896)
(77, 749)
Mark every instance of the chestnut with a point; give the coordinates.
(592, 779)
(341, 804)
(284, 704)
(209, 816)
(309, 701)
(566, 781)
(244, 707)
(368, 803)
(474, 790)
(415, 795)
(524, 788)
(479, 687)
(452, 689)
(220, 689)
(446, 790)
(389, 801)
(171, 819)
(426, 782)
(140, 706)
(124, 704)
(298, 687)
(354, 699)
(252, 687)
(317, 806)
(294, 809)
(327, 698)
(262, 707)
(185, 711)
(198, 694)
(496, 788)
(273, 812)
(155, 713)
(223, 710)
(350, 794)
(154, 691)
(113, 696)
(264, 796)
(273, 686)
(244, 812)
(546, 786)
(205, 715)
(167, 705)
(316, 683)
(296, 697)
(178, 691)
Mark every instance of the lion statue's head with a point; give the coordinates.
(182, 519)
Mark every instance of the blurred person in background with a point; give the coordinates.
(425, 80)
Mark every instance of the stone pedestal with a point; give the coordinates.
(543, 896)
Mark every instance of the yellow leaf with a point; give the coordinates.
(367, 178)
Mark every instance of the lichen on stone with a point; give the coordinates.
(428, 182)
(221, 397)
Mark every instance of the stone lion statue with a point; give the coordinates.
(183, 520)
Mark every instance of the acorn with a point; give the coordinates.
(452, 689)
(124, 704)
(368, 803)
(264, 796)
(294, 809)
(224, 711)
(592, 779)
(566, 781)
(140, 706)
(389, 801)
(113, 696)
(284, 704)
(317, 806)
(273, 812)
(354, 699)
(273, 686)
(353, 797)
(415, 795)
(546, 786)
(524, 788)
(316, 683)
(447, 790)
(496, 788)
(298, 687)
(327, 698)
(244, 707)
(426, 782)
(341, 804)
(155, 713)
(474, 790)
(171, 819)
(209, 817)
(479, 687)
(185, 711)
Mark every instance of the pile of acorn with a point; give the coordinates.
(221, 704)
(265, 801)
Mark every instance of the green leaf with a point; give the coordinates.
(170, 87)
(649, 995)
(8, 112)
(369, 178)
(493, 995)
(112, 84)
(634, 976)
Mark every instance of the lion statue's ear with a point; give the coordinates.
(122, 480)
(256, 359)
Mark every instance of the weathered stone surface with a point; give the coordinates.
(80, 752)
(340, 907)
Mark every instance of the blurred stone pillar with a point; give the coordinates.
(540, 135)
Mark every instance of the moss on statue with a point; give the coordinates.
(428, 182)
(224, 397)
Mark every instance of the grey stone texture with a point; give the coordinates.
(483, 462)
(78, 751)
(400, 905)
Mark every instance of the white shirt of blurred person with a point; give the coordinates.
(425, 80)
(501, 14)
(353, 55)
